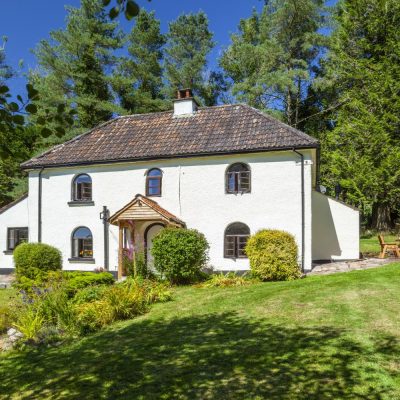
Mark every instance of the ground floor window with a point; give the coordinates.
(16, 236)
(235, 240)
(82, 243)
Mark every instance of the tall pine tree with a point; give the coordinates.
(189, 41)
(270, 60)
(362, 152)
(75, 63)
(138, 79)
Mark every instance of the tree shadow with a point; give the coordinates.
(205, 357)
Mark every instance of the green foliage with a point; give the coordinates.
(136, 266)
(74, 64)
(189, 41)
(34, 260)
(29, 321)
(5, 318)
(89, 294)
(76, 280)
(180, 254)
(226, 280)
(138, 78)
(270, 60)
(362, 151)
(273, 255)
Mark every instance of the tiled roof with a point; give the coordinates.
(211, 130)
(13, 203)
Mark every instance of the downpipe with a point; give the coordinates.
(301, 155)
(40, 206)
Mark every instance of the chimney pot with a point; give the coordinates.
(185, 104)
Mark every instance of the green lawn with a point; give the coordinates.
(328, 337)
(370, 246)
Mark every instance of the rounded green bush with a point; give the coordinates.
(33, 260)
(273, 255)
(180, 254)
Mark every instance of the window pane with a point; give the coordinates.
(153, 186)
(241, 244)
(83, 188)
(16, 236)
(230, 246)
(82, 243)
(238, 228)
(231, 183)
(244, 181)
(154, 172)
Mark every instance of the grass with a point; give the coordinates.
(323, 337)
(370, 245)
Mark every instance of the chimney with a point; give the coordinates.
(184, 104)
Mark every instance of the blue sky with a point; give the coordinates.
(25, 22)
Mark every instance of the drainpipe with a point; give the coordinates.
(40, 206)
(104, 216)
(302, 208)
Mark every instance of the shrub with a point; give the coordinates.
(29, 321)
(226, 280)
(180, 254)
(76, 280)
(135, 265)
(89, 294)
(156, 292)
(34, 260)
(93, 316)
(273, 255)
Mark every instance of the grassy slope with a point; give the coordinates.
(330, 337)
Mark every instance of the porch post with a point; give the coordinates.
(120, 250)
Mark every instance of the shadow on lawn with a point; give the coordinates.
(208, 357)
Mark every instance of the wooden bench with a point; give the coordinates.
(394, 247)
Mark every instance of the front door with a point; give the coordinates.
(151, 231)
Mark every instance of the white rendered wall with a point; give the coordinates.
(336, 229)
(193, 189)
(15, 217)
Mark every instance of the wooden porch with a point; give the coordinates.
(131, 218)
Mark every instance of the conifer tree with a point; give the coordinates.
(362, 152)
(270, 60)
(75, 63)
(189, 41)
(138, 79)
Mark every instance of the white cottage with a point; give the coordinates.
(227, 171)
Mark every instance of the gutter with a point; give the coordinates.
(302, 208)
(163, 157)
(40, 206)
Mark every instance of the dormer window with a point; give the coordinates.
(154, 182)
(238, 178)
(82, 188)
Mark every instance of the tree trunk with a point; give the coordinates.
(381, 217)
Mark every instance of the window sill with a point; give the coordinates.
(79, 203)
(8, 252)
(82, 260)
(236, 193)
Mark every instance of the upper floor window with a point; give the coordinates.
(82, 188)
(235, 240)
(82, 243)
(16, 236)
(238, 178)
(153, 182)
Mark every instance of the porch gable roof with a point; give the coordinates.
(142, 208)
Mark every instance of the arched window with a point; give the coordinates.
(82, 188)
(82, 243)
(235, 240)
(238, 178)
(153, 182)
